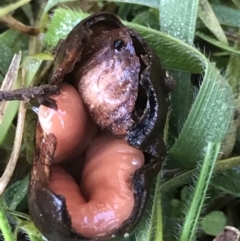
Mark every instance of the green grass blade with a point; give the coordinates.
(218, 44)
(208, 120)
(21, 190)
(150, 3)
(31, 66)
(189, 228)
(179, 21)
(210, 20)
(5, 226)
(227, 16)
(157, 217)
(151, 226)
(184, 178)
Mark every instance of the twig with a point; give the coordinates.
(13, 23)
(4, 180)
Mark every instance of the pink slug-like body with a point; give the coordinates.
(70, 124)
(102, 199)
(98, 153)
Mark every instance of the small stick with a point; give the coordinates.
(29, 93)
(41, 93)
(13, 23)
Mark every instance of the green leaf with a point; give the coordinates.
(148, 18)
(227, 16)
(151, 224)
(6, 54)
(195, 204)
(179, 21)
(184, 178)
(29, 228)
(174, 53)
(30, 67)
(16, 193)
(217, 43)
(59, 29)
(208, 120)
(8, 110)
(208, 17)
(4, 225)
(10, 42)
(214, 222)
(51, 3)
(228, 182)
(41, 56)
(150, 3)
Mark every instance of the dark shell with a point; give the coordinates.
(48, 210)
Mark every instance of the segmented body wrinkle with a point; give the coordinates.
(70, 124)
(102, 199)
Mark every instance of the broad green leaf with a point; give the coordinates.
(10, 43)
(208, 17)
(214, 222)
(59, 29)
(6, 52)
(16, 192)
(6, 55)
